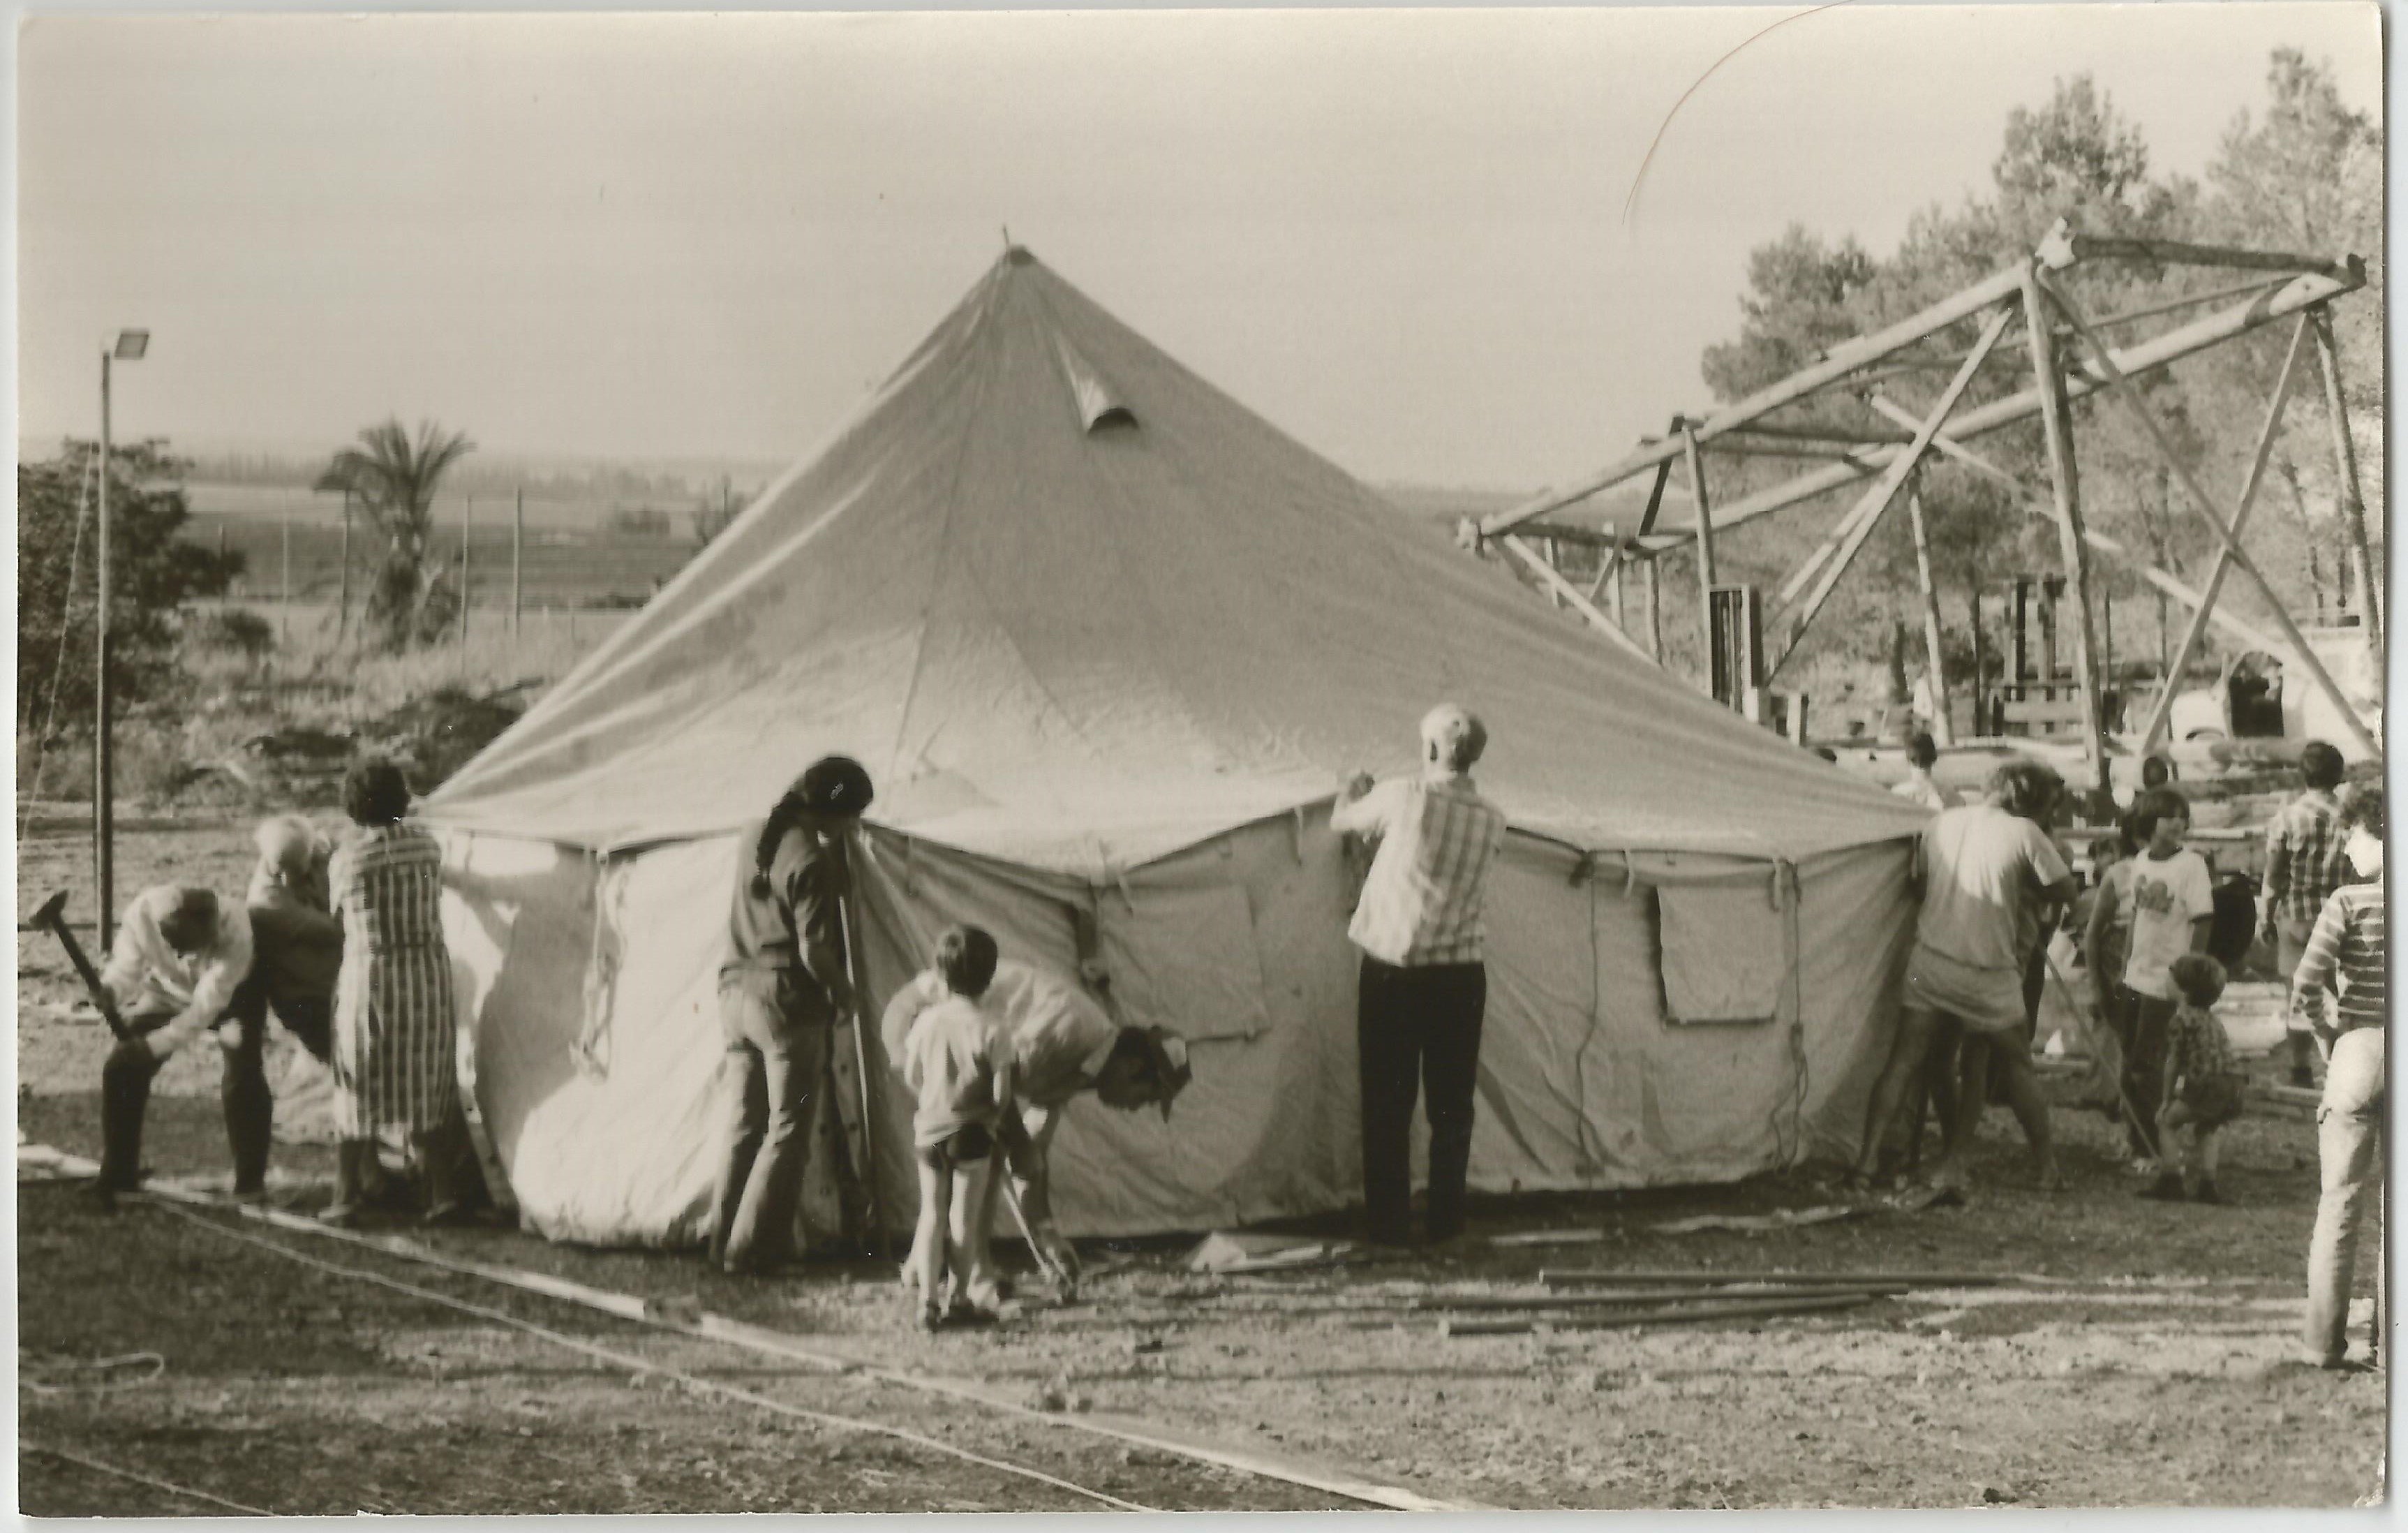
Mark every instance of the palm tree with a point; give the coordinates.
(393, 479)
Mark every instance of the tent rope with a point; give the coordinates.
(59, 665)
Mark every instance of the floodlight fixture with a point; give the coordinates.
(130, 345)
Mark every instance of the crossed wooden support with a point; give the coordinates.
(2296, 287)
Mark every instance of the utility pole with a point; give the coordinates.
(518, 553)
(104, 773)
(343, 602)
(129, 345)
(284, 584)
(468, 519)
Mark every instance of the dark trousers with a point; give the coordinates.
(773, 1069)
(1417, 1028)
(2146, 1022)
(243, 1093)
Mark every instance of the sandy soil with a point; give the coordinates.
(2153, 1365)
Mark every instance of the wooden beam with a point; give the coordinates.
(1705, 562)
(1818, 436)
(1868, 512)
(2197, 628)
(1570, 593)
(1609, 579)
(1946, 445)
(1655, 612)
(2293, 297)
(1656, 495)
(2138, 409)
(2175, 252)
(2352, 507)
(2065, 483)
(1942, 729)
(1837, 364)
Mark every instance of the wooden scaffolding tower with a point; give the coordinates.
(2068, 361)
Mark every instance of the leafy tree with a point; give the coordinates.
(394, 478)
(154, 574)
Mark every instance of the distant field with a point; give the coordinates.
(569, 560)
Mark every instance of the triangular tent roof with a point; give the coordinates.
(1076, 608)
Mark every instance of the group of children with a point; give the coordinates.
(2150, 925)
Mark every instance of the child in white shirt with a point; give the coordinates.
(2173, 907)
(958, 1063)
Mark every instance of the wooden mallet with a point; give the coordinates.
(50, 917)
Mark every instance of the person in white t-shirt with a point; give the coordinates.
(2173, 908)
(1986, 870)
(1922, 754)
(958, 1062)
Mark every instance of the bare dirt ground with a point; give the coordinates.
(2153, 1365)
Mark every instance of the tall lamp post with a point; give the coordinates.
(129, 346)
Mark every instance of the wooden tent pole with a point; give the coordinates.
(1942, 729)
(2197, 628)
(2353, 505)
(2205, 509)
(1705, 535)
(2057, 426)
(1610, 578)
(1654, 611)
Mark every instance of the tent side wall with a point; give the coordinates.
(589, 984)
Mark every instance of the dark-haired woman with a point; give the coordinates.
(392, 1055)
(781, 990)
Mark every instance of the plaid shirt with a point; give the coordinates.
(2196, 1048)
(1421, 903)
(2303, 856)
(2345, 954)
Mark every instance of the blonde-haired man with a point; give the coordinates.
(1425, 980)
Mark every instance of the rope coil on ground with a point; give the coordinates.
(56, 1365)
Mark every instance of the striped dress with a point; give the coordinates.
(393, 1059)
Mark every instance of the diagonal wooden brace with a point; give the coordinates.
(2197, 628)
(1868, 512)
(2118, 384)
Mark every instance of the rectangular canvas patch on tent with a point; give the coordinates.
(1723, 952)
(1186, 959)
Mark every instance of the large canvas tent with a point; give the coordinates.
(1107, 642)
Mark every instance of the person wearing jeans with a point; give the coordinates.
(2340, 987)
(1424, 984)
(781, 989)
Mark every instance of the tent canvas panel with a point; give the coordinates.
(591, 989)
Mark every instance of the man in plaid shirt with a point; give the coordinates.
(1424, 982)
(2303, 865)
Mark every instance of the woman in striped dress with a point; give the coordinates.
(393, 1055)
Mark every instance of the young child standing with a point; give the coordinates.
(958, 1063)
(2173, 909)
(2203, 1083)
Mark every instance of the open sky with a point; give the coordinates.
(1398, 235)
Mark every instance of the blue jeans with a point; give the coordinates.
(2349, 1138)
(774, 1067)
